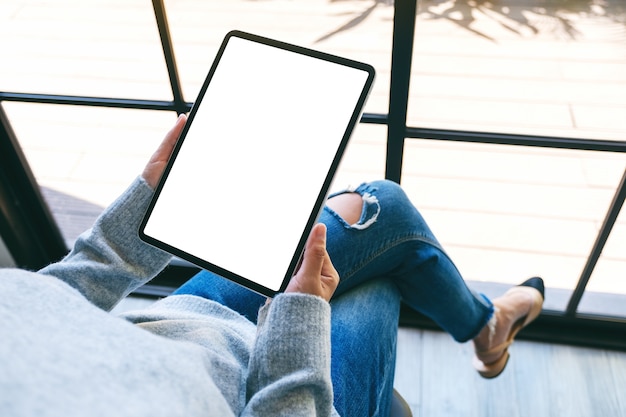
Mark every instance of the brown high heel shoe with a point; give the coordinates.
(484, 361)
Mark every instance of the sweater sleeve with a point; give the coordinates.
(109, 260)
(289, 372)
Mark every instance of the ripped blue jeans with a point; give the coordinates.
(390, 255)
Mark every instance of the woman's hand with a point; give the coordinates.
(316, 275)
(153, 171)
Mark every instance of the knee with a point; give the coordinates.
(391, 194)
(348, 206)
(376, 194)
(389, 189)
(397, 205)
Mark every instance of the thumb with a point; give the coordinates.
(155, 167)
(315, 250)
(316, 275)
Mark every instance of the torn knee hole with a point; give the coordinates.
(359, 211)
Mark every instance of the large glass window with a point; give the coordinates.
(507, 213)
(96, 48)
(549, 68)
(84, 157)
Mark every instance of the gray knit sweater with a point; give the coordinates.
(63, 354)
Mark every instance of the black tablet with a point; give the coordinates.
(255, 161)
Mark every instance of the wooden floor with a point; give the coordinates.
(435, 376)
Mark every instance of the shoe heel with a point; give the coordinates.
(493, 369)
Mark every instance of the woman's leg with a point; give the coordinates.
(392, 240)
(364, 329)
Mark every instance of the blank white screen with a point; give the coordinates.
(252, 164)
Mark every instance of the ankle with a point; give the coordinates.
(484, 340)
